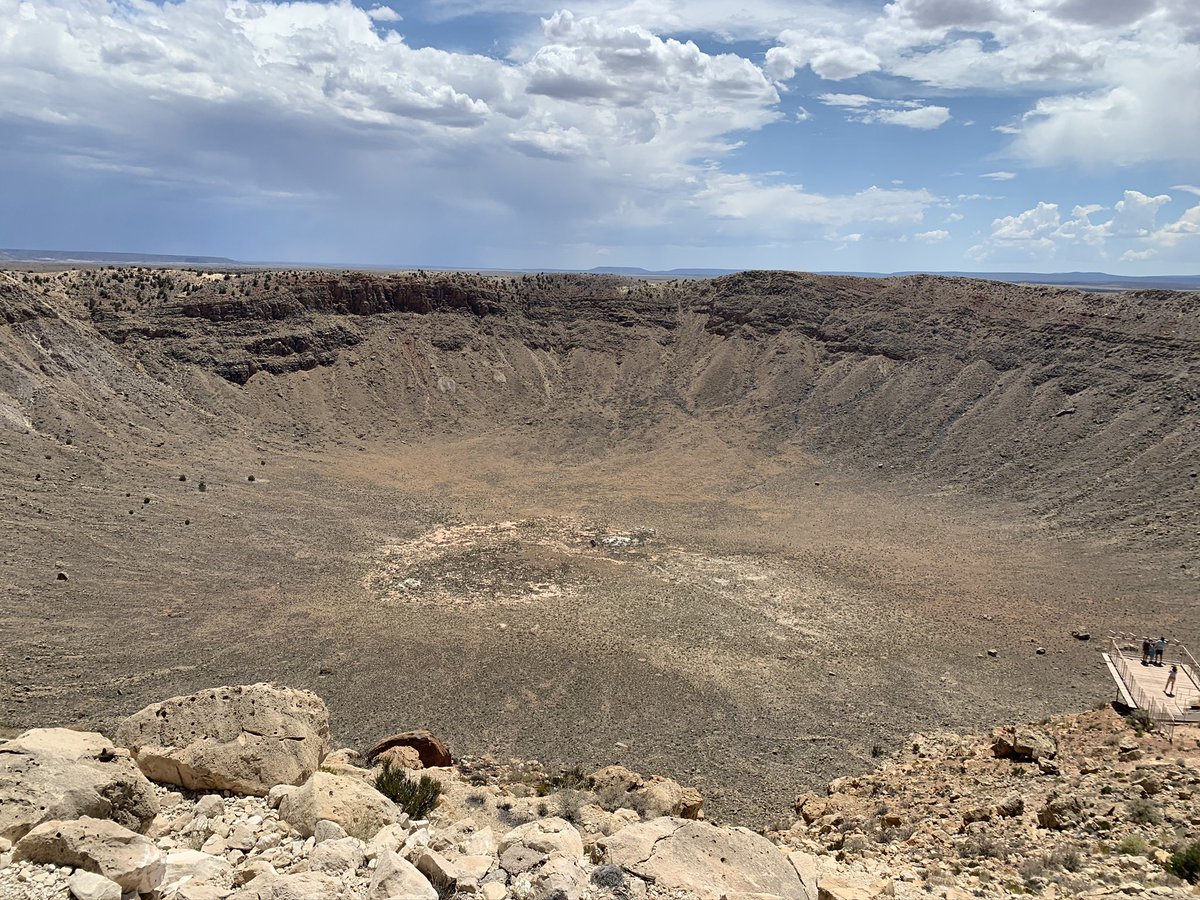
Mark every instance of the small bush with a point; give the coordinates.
(417, 798)
(877, 751)
(569, 802)
(573, 778)
(1185, 863)
(203, 487)
(1143, 811)
(1133, 845)
(1068, 859)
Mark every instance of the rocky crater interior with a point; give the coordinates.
(741, 532)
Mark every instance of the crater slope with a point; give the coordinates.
(739, 531)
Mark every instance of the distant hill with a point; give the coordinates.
(1092, 281)
(94, 256)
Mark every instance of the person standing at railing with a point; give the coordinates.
(1147, 649)
(1159, 649)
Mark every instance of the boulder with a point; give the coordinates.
(552, 835)
(396, 877)
(431, 749)
(96, 845)
(665, 797)
(854, 887)
(357, 807)
(296, 886)
(337, 857)
(1031, 744)
(679, 854)
(90, 886)
(57, 774)
(1060, 812)
(242, 739)
(193, 867)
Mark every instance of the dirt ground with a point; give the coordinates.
(665, 589)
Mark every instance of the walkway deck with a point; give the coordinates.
(1142, 686)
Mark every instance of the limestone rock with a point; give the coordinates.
(396, 877)
(96, 845)
(847, 887)
(296, 886)
(679, 854)
(431, 749)
(192, 866)
(665, 797)
(553, 835)
(1031, 744)
(337, 857)
(1060, 812)
(90, 886)
(54, 773)
(357, 807)
(244, 739)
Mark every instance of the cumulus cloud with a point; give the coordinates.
(598, 132)
(1112, 82)
(1128, 227)
(876, 111)
(933, 237)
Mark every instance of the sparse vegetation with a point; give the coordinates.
(1143, 811)
(1185, 863)
(417, 798)
(1133, 845)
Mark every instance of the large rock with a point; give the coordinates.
(243, 739)
(1031, 744)
(191, 867)
(552, 835)
(680, 854)
(711, 862)
(96, 845)
(90, 886)
(54, 773)
(431, 750)
(854, 887)
(356, 806)
(297, 886)
(396, 877)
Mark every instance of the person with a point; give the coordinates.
(1169, 690)
(1146, 651)
(1159, 649)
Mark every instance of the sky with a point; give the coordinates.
(936, 135)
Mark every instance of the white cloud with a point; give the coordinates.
(999, 176)
(877, 111)
(1129, 229)
(384, 14)
(933, 237)
(925, 118)
(1186, 188)
(803, 115)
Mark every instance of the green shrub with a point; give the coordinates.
(1185, 863)
(1133, 845)
(417, 798)
(1143, 811)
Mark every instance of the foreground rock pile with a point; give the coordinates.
(245, 800)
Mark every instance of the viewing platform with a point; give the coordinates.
(1143, 686)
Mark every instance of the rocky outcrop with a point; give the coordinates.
(710, 862)
(244, 739)
(55, 773)
(96, 845)
(357, 807)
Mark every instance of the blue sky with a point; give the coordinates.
(1044, 135)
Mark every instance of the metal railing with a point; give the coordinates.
(1156, 709)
